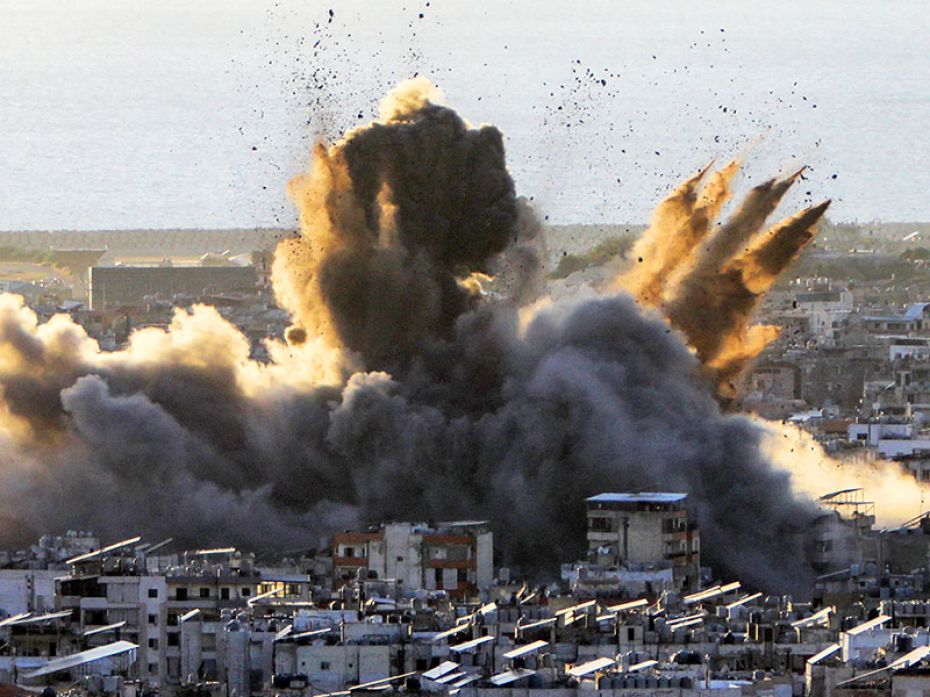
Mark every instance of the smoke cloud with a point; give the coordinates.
(400, 219)
(813, 473)
(416, 383)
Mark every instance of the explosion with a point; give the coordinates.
(420, 380)
(401, 220)
(707, 283)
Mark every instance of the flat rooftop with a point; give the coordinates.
(638, 497)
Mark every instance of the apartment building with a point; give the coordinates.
(645, 528)
(456, 557)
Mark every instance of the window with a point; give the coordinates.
(461, 576)
(181, 594)
(224, 593)
(245, 592)
(153, 644)
(174, 639)
(599, 524)
(437, 575)
(153, 667)
(153, 592)
(324, 665)
(204, 592)
(153, 619)
(95, 617)
(400, 558)
(350, 551)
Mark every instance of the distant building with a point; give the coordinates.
(455, 557)
(837, 375)
(827, 311)
(844, 538)
(918, 464)
(914, 320)
(112, 286)
(31, 292)
(873, 431)
(892, 433)
(776, 380)
(904, 347)
(653, 528)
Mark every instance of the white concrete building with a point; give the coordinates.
(827, 311)
(330, 667)
(27, 590)
(457, 557)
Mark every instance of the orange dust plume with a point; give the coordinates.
(678, 225)
(709, 284)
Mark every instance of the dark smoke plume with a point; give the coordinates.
(414, 386)
(400, 219)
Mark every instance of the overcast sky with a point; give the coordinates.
(194, 114)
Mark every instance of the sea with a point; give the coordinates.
(154, 114)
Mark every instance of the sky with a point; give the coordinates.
(120, 114)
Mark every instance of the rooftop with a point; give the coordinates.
(638, 497)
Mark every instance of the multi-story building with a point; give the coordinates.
(178, 612)
(827, 310)
(775, 380)
(112, 596)
(202, 595)
(844, 538)
(645, 528)
(914, 320)
(456, 557)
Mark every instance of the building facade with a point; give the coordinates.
(455, 557)
(651, 528)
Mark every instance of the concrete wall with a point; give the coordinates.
(484, 575)
(237, 660)
(24, 590)
(127, 285)
(334, 667)
(637, 535)
(402, 554)
(864, 644)
(128, 599)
